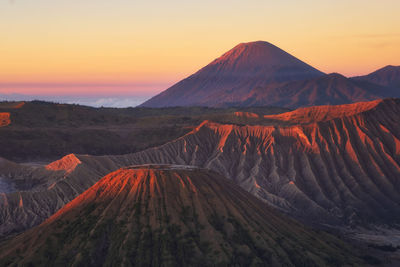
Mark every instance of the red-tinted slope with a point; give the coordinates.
(233, 75)
(345, 169)
(171, 216)
(323, 113)
(331, 165)
(67, 164)
(4, 119)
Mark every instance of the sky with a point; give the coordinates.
(102, 50)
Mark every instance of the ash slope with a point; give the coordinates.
(30, 195)
(232, 77)
(337, 165)
(333, 165)
(175, 216)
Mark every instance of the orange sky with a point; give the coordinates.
(146, 46)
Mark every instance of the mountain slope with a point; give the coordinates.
(174, 216)
(29, 195)
(388, 76)
(233, 75)
(331, 89)
(338, 168)
(336, 165)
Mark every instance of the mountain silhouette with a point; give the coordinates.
(234, 75)
(261, 74)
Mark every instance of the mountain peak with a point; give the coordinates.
(256, 56)
(390, 67)
(231, 77)
(259, 48)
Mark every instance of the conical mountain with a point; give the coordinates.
(232, 76)
(168, 215)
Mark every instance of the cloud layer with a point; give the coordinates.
(112, 101)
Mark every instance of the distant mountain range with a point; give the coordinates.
(387, 76)
(261, 74)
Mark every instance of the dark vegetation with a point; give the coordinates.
(41, 131)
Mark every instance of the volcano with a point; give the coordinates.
(170, 215)
(261, 74)
(331, 165)
(234, 75)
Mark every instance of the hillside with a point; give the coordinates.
(332, 165)
(174, 216)
(261, 74)
(331, 89)
(233, 76)
(387, 76)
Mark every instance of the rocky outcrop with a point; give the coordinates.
(4, 119)
(67, 164)
(38, 192)
(173, 216)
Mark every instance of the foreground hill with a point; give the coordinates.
(171, 216)
(332, 165)
(233, 76)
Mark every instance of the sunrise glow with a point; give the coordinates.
(146, 46)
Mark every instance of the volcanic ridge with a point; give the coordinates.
(174, 216)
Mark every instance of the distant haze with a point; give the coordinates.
(92, 101)
(120, 42)
(95, 95)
